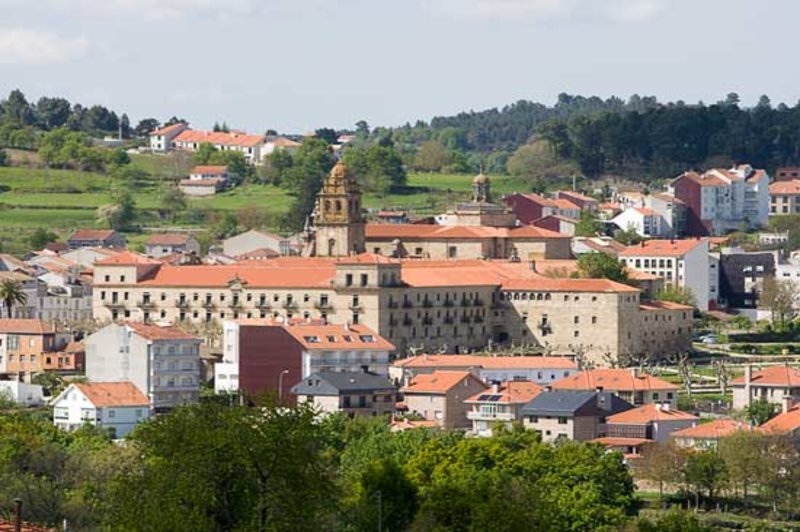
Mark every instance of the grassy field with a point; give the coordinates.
(63, 200)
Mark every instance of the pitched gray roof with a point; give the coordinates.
(575, 403)
(338, 382)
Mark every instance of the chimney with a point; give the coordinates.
(786, 403)
(17, 515)
(635, 373)
(533, 265)
(599, 389)
(547, 388)
(495, 388)
(666, 406)
(347, 325)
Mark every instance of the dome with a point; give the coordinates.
(480, 179)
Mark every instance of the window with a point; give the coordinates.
(112, 413)
(348, 279)
(452, 251)
(364, 279)
(562, 420)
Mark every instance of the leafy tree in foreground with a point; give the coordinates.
(602, 266)
(676, 294)
(759, 412)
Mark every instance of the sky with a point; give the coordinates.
(296, 65)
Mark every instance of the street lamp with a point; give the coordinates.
(280, 383)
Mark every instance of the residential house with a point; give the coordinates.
(275, 143)
(210, 172)
(502, 403)
(115, 406)
(596, 244)
(645, 221)
(682, 263)
(250, 146)
(531, 207)
(634, 386)
(162, 245)
(581, 200)
(358, 393)
(162, 362)
(95, 238)
(707, 435)
(772, 384)
(787, 422)
(784, 197)
(253, 240)
(261, 355)
(30, 346)
(720, 200)
(22, 393)
(440, 396)
(650, 422)
(161, 138)
(557, 223)
(571, 415)
(202, 187)
(487, 367)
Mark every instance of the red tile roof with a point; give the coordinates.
(219, 138)
(547, 284)
(156, 332)
(326, 337)
(166, 130)
(785, 187)
(613, 380)
(713, 430)
(8, 526)
(102, 394)
(531, 231)
(126, 258)
(486, 362)
(26, 326)
(461, 232)
(514, 392)
(782, 375)
(784, 422)
(406, 424)
(220, 169)
(648, 413)
(438, 382)
(168, 239)
(662, 248)
(258, 254)
(283, 142)
(92, 234)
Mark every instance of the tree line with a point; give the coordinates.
(218, 467)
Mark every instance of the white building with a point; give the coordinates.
(683, 263)
(22, 393)
(644, 220)
(163, 362)
(117, 406)
(161, 138)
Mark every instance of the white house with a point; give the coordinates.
(644, 220)
(161, 138)
(22, 393)
(683, 263)
(117, 406)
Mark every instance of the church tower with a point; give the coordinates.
(338, 221)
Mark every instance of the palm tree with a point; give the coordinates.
(11, 294)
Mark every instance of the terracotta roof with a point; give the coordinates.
(156, 332)
(614, 380)
(438, 382)
(564, 204)
(368, 258)
(26, 326)
(784, 422)
(513, 392)
(406, 424)
(785, 187)
(704, 180)
(166, 130)
(431, 231)
(486, 362)
(112, 393)
(662, 248)
(220, 138)
(713, 430)
(127, 258)
(577, 195)
(8, 526)
(547, 284)
(219, 169)
(259, 254)
(639, 275)
(646, 211)
(648, 413)
(168, 239)
(666, 197)
(75, 347)
(326, 337)
(92, 234)
(783, 376)
(757, 175)
(283, 142)
(663, 305)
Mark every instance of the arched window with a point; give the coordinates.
(331, 247)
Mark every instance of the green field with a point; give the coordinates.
(64, 200)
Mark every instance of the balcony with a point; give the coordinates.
(478, 319)
(149, 303)
(407, 322)
(263, 304)
(427, 320)
(393, 304)
(489, 416)
(114, 304)
(356, 307)
(182, 303)
(465, 303)
(465, 319)
(289, 305)
(447, 303)
(323, 305)
(449, 320)
(427, 303)
(408, 304)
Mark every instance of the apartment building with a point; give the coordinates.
(741, 276)
(440, 396)
(268, 355)
(501, 404)
(181, 137)
(784, 197)
(649, 422)
(634, 386)
(30, 346)
(683, 263)
(720, 200)
(162, 362)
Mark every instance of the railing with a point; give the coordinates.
(393, 304)
(181, 303)
(498, 416)
(323, 305)
(146, 304)
(427, 303)
(263, 304)
(408, 304)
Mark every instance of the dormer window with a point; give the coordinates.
(367, 338)
(311, 339)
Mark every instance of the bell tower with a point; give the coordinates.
(339, 222)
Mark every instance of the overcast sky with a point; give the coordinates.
(294, 65)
